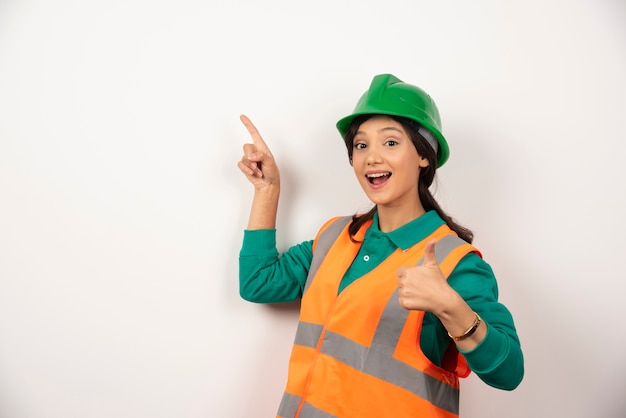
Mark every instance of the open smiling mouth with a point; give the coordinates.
(378, 178)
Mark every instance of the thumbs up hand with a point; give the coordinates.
(424, 287)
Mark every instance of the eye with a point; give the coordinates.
(391, 142)
(359, 145)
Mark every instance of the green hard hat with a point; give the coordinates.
(388, 95)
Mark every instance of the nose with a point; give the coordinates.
(373, 156)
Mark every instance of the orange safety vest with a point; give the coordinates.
(357, 354)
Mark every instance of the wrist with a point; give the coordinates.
(264, 208)
(450, 303)
(270, 190)
(462, 324)
(469, 331)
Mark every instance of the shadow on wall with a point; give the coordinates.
(272, 355)
(291, 307)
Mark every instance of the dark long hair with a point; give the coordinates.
(427, 175)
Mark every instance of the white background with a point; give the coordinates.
(122, 209)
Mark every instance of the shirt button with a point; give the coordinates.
(366, 258)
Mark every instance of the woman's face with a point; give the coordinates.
(386, 163)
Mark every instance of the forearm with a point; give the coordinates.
(492, 352)
(467, 308)
(264, 208)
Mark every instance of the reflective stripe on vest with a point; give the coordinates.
(376, 360)
(290, 404)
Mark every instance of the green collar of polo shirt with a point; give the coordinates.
(415, 231)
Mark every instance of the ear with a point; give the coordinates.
(423, 162)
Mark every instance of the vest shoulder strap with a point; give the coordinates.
(325, 239)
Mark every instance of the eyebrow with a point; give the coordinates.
(389, 128)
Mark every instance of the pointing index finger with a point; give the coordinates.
(258, 141)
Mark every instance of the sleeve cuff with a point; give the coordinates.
(489, 353)
(258, 242)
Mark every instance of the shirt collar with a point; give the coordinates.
(410, 234)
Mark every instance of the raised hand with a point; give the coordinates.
(258, 163)
(424, 287)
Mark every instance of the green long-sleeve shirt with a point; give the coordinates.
(267, 277)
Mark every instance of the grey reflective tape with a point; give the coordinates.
(378, 361)
(345, 350)
(289, 405)
(324, 242)
(309, 411)
(418, 383)
(430, 138)
(308, 334)
(444, 247)
(391, 323)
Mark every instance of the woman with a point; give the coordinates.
(396, 303)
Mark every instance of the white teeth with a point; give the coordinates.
(375, 175)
